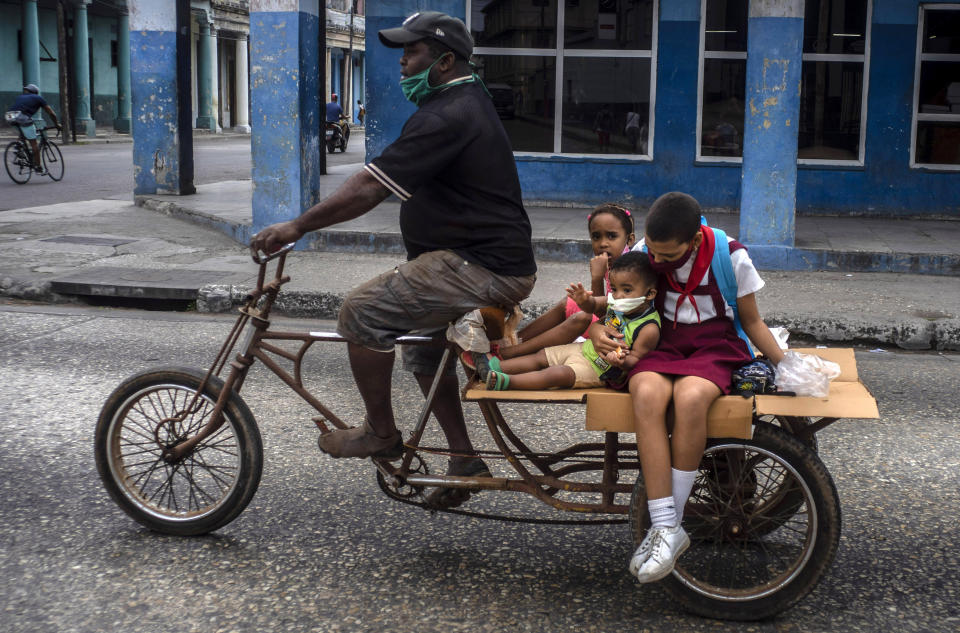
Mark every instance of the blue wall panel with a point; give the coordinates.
(387, 108)
(884, 185)
(153, 72)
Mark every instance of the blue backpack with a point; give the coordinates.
(722, 268)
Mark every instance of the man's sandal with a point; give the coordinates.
(446, 498)
(497, 381)
(361, 442)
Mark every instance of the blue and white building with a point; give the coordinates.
(769, 107)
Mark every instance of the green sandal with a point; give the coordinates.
(480, 364)
(498, 381)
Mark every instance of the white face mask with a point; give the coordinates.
(625, 305)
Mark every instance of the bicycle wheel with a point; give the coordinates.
(201, 492)
(17, 162)
(737, 567)
(52, 160)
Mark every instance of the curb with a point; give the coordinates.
(908, 334)
(766, 257)
(916, 334)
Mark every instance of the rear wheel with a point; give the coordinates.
(205, 490)
(754, 551)
(52, 160)
(16, 159)
(331, 146)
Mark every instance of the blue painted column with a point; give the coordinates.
(122, 123)
(162, 141)
(286, 112)
(205, 118)
(31, 44)
(673, 139)
(81, 70)
(769, 179)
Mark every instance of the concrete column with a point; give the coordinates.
(160, 95)
(769, 178)
(122, 123)
(213, 51)
(286, 109)
(241, 119)
(31, 44)
(205, 76)
(81, 70)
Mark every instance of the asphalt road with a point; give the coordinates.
(105, 171)
(320, 548)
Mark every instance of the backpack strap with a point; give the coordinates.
(722, 267)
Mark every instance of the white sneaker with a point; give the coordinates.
(666, 545)
(642, 553)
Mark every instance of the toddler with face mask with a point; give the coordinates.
(628, 309)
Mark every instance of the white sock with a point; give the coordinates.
(662, 512)
(682, 485)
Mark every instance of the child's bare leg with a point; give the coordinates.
(692, 397)
(551, 318)
(556, 376)
(524, 364)
(566, 332)
(650, 393)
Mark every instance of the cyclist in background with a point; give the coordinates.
(28, 104)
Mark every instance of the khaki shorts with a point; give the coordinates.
(570, 355)
(422, 296)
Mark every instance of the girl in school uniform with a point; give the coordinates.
(691, 367)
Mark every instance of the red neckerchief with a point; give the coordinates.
(700, 267)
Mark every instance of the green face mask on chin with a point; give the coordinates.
(417, 88)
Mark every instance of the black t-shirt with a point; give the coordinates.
(453, 168)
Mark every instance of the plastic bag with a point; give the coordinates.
(805, 374)
(780, 335)
(468, 333)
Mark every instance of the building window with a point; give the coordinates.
(836, 47)
(722, 79)
(832, 108)
(571, 77)
(936, 112)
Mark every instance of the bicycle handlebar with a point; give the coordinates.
(260, 257)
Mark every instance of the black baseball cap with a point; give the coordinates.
(446, 29)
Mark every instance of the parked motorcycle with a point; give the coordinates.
(337, 135)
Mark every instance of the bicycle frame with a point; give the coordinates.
(544, 485)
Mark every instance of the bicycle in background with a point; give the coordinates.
(18, 157)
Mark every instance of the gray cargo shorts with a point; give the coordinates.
(422, 296)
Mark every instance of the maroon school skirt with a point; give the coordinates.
(710, 350)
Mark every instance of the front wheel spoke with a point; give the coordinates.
(196, 489)
(215, 470)
(167, 490)
(230, 449)
(142, 479)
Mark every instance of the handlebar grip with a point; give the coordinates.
(259, 257)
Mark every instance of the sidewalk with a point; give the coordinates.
(109, 135)
(182, 249)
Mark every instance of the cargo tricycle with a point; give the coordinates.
(180, 452)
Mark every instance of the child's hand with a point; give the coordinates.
(615, 357)
(581, 296)
(598, 265)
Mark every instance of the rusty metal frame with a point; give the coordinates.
(541, 475)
